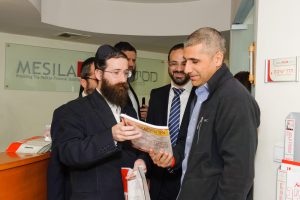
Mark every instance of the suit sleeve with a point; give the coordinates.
(236, 133)
(78, 149)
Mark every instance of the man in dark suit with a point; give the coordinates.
(131, 54)
(88, 81)
(165, 184)
(92, 142)
(57, 181)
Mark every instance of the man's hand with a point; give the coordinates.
(121, 132)
(161, 158)
(144, 111)
(137, 163)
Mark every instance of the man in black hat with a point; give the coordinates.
(93, 143)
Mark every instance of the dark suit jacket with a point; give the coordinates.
(57, 177)
(163, 184)
(136, 99)
(87, 149)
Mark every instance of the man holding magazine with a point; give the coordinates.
(92, 142)
(217, 158)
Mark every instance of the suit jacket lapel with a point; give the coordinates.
(164, 104)
(136, 98)
(102, 109)
(190, 105)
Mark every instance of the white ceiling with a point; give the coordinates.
(155, 1)
(22, 17)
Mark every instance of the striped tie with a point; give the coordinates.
(174, 118)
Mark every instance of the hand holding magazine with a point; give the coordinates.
(153, 137)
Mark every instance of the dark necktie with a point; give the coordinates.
(174, 117)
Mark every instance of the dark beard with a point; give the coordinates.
(179, 82)
(116, 94)
(132, 77)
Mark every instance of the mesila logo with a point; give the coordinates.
(45, 68)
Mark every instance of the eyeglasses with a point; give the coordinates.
(86, 78)
(175, 63)
(117, 73)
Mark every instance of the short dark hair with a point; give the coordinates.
(101, 63)
(243, 77)
(124, 46)
(86, 67)
(175, 47)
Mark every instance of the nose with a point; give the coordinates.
(123, 78)
(188, 67)
(180, 67)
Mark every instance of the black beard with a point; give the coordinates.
(116, 94)
(179, 82)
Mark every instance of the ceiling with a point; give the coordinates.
(22, 17)
(155, 1)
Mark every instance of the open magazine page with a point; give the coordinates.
(153, 137)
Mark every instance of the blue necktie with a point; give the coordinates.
(174, 117)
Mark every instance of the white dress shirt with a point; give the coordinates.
(184, 97)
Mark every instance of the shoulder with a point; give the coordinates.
(236, 96)
(161, 90)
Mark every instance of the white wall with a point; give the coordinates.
(25, 113)
(278, 35)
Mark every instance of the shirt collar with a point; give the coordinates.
(187, 87)
(202, 92)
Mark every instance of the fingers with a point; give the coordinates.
(122, 133)
(131, 175)
(138, 163)
(144, 111)
(161, 158)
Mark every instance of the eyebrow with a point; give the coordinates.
(192, 59)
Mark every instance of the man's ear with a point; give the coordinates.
(98, 74)
(83, 83)
(218, 58)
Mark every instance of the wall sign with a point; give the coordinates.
(50, 69)
(151, 73)
(282, 69)
(42, 68)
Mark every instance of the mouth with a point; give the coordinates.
(193, 77)
(179, 74)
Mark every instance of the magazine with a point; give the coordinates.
(36, 144)
(153, 137)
